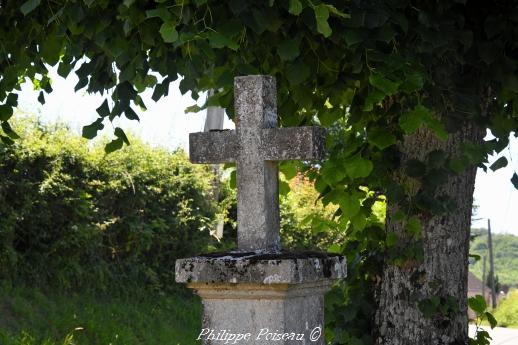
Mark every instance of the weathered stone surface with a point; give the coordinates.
(213, 147)
(283, 268)
(269, 314)
(276, 298)
(302, 143)
(256, 145)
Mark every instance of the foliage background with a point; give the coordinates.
(73, 216)
(505, 251)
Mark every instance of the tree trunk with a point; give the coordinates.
(441, 275)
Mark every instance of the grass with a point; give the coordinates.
(33, 317)
(507, 311)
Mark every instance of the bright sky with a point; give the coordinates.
(165, 124)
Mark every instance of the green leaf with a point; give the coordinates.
(383, 84)
(168, 32)
(284, 188)
(334, 249)
(9, 131)
(104, 109)
(288, 50)
(514, 180)
(374, 97)
(289, 169)
(41, 98)
(413, 226)
(6, 111)
(64, 69)
(332, 173)
(336, 12)
(295, 7)
(381, 138)
(160, 12)
(358, 167)
(477, 304)
(491, 319)
(90, 131)
(391, 240)
(6, 140)
(29, 6)
(359, 221)
(349, 204)
(119, 133)
(321, 16)
(218, 41)
(297, 73)
(130, 114)
(51, 49)
(114, 145)
(499, 164)
(412, 120)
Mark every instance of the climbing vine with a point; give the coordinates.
(374, 72)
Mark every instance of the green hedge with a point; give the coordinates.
(71, 216)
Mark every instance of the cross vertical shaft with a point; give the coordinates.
(257, 179)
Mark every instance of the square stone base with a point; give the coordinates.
(261, 298)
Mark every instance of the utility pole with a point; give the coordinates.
(491, 264)
(214, 122)
(484, 277)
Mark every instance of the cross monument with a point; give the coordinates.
(256, 145)
(259, 295)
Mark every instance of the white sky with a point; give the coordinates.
(165, 124)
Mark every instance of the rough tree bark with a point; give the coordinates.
(443, 271)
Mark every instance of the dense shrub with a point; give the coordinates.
(73, 216)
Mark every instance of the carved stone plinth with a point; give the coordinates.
(253, 298)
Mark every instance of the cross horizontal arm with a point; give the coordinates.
(213, 147)
(304, 143)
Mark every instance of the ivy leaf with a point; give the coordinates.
(477, 304)
(499, 164)
(374, 97)
(6, 111)
(491, 319)
(90, 131)
(104, 109)
(295, 7)
(412, 120)
(41, 98)
(358, 167)
(332, 173)
(29, 6)
(383, 84)
(514, 180)
(336, 12)
(334, 249)
(413, 226)
(130, 114)
(160, 12)
(6, 140)
(381, 138)
(114, 145)
(9, 131)
(349, 204)
(218, 41)
(168, 32)
(288, 50)
(297, 73)
(119, 133)
(321, 16)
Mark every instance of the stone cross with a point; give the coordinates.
(256, 146)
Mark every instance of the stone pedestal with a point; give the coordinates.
(251, 298)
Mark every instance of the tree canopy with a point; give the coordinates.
(378, 73)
